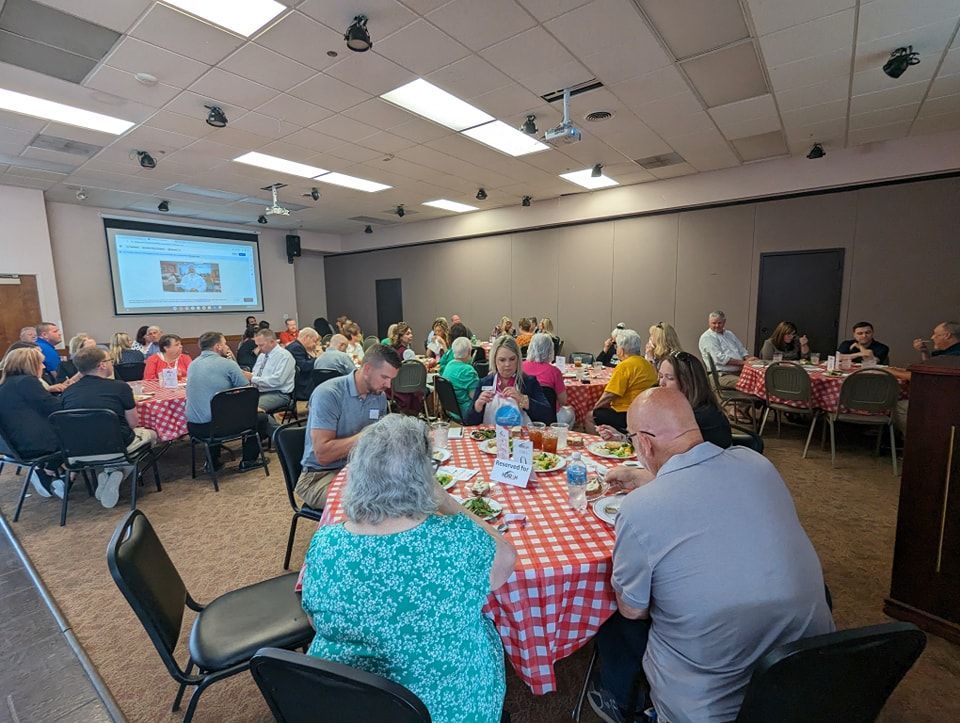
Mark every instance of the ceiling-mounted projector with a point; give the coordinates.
(276, 209)
(566, 132)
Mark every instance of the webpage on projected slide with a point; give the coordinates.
(185, 275)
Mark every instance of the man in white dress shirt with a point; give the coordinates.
(728, 352)
(274, 374)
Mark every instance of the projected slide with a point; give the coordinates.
(160, 269)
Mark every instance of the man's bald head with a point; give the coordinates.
(662, 423)
(338, 342)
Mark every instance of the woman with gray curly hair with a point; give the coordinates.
(398, 589)
(539, 364)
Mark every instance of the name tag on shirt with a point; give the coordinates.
(374, 414)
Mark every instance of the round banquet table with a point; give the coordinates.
(825, 390)
(165, 412)
(582, 397)
(560, 591)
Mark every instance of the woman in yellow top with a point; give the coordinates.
(632, 375)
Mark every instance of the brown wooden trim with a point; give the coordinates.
(924, 620)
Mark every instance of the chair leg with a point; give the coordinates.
(193, 459)
(578, 708)
(813, 423)
(893, 449)
(263, 458)
(833, 444)
(876, 451)
(763, 422)
(23, 494)
(63, 503)
(290, 538)
(156, 475)
(183, 687)
(213, 470)
(779, 421)
(194, 699)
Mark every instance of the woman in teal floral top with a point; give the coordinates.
(397, 590)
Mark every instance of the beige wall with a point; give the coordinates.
(902, 266)
(311, 288)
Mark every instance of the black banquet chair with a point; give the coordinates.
(289, 441)
(842, 676)
(319, 376)
(287, 679)
(233, 416)
(448, 398)
(8, 455)
(226, 632)
(130, 372)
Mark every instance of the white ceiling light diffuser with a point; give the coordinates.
(272, 163)
(585, 179)
(429, 101)
(450, 205)
(359, 184)
(51, 110)
(244, 17)
(505, 139)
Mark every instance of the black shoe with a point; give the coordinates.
(247, 466)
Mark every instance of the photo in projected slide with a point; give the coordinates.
(180, 276)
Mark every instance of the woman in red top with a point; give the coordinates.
(170, 356)
(539, 364)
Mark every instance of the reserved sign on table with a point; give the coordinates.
(515, 471)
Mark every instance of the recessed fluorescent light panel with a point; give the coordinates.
(244, 17)
(359, 184)
(51, 110)
(505, 139)
(429, 101)
(450, 205)
(583, 178)
(262, 160)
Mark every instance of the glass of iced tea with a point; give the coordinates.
(535, 432)
(549, 440)
(577, 361)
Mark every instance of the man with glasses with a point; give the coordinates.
(711, 569)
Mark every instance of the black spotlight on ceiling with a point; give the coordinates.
(900, 60)
(597, 171)
(529, 126)
(163, 206)
(368, 229)
(357, 37)
(261, 219)
(482, 195)
(526, 200)
(400, 212)
(216, 117)
(816, 151)
(146, 160)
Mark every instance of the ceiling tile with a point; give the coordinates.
(265, 125)
(386, 16)
(329, 92)
(227, 87)
(344, 128)
(537, 61)
(419, 130)
(186, 35)
(718, 23)
(378, 113)
(266, 67)
(193, 104)
(656, 85)
(20, 122)
(771, 15)
(370, 72)
(355, 153)
(136, 56)
(313, 141)
(809, 71)
(123, 84)
(830, 133)
(421, 48)
(544, 10)
(184, 124)
(114, 14)
(677, 169)
(885, 116)
(811, 39)
(951, 63)
(750, 117)
(637, 143)
(424, 6)
(879, 133)
(943, 104)
(678, 115)
(469, 77)
(727, 75)
(880, 18)
(507, 101)
(294, 110)
(305, 40)
(386, 142)
(479, 25)
(235, 136)
(901, 95)
(215, 149)
(807, 115)
(945, 85)
(83, 135)
(936, 124)
(794, 98)
(765, 145)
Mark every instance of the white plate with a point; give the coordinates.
(451, 483)
(607, 508)
(497, 507)
(559, 464)
(489, 446)
(598, 449)
(441, 455)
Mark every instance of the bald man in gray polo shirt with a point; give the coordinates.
(711, 560)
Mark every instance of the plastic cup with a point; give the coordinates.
(560, 429)
(814, 358)
(440, 430)
(550, 440)
(535, 433)
(597, 367)
(778, 356)
(137, 388)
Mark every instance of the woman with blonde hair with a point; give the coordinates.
(122, 351)
(504, 327)
(508, 384)
(437, 343)
(662, 343)
(68, 370)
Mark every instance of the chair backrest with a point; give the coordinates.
(369, 342)
(842, 676)
(479, 354)
(289, 441)
(233, 411)
(319, 376)
(149, 581)
(874, 391)
(448, 397)
(585, 356)
(129, 372)
(483, 368)
(412, 377)
(714, 374)
(787, 381)
(551, 396)
(523, 352)
(557, 345)
(287, 679)
(73, 429)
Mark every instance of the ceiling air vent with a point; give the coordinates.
(668, 159)
(598, 115)
(64, 145)
(372, 220)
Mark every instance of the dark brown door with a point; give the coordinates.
(389, 304)
(803, 287)
(19, 306)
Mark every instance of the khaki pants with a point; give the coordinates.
(728, 380)
(900, 416)
(312, 486)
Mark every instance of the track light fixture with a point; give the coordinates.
(146, 160)
(529, 126)
(163, 206)
(400, 212)
(216, 117)
(597, 171)
(526, 201)
(900, 60)
(357, 37)
(481, 195)
(81, 194)
(368, 229)
(261, 219)
(816, 151)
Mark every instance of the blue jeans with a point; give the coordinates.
(621, 644)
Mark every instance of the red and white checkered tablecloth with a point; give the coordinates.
(165, 412)
(560, 592)
(582, 397)
(824, 389)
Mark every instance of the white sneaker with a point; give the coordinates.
(110, 489)
(38, 484)
(101, 481)
(58, 487)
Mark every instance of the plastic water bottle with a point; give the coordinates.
(507, 416)
(577, 483)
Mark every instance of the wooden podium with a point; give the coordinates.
(925, 585)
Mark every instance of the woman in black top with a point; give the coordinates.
(682, 370)
(246, 352)
(24, 410)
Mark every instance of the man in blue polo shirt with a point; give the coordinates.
(48, 336)
(339, 410)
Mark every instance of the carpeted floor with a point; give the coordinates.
(222, 541)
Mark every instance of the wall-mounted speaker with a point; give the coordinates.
(293, 247)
